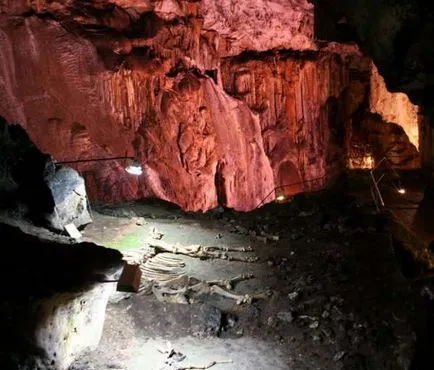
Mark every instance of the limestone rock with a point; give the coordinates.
(386, 139)
(394, 107)
(300, 101)
(53, 305)
(221, 102)
(397, 35)
(54, 195)
(70, 200)
(260, 24)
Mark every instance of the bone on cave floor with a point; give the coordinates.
(316, 280)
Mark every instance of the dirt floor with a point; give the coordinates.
(339, 298)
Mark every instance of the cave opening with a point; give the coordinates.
(231, 185)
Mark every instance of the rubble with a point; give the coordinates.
(315, 309)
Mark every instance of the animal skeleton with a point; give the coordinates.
(163, 275)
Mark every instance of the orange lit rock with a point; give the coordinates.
(196, 143)
(394, 107)
(389, 129)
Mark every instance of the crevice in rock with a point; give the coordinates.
(220, 185)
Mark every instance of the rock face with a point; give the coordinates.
(54, 301)
(394, 107)
(70, 200)
(260, 25)
(52, 195)
(222, 102)
(388, 128)
(296, 98)
(397, 35)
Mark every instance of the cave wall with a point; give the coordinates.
(220, 101)
(388, 127)
(294, 97)
(397, 35)
(394, 107)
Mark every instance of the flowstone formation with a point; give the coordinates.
(222, 102)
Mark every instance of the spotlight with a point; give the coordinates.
(401, 191)
(134, 168)
(280, 198)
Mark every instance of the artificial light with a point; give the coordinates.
(280, 198)
(401, 191)
(134, 168)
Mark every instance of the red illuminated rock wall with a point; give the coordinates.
(220, 101)
(299, 100)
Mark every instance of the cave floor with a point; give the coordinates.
(340, 299)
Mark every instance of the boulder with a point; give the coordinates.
(70, 201)
(53, 195)
(53, 299)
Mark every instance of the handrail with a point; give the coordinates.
(376, 181)
(384, 158)
(92, 160)
(292, 184)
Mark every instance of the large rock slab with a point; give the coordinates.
(53, 299)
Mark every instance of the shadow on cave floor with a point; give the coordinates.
(340, 298)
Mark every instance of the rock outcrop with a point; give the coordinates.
(53, 304)
(70, 199)
(394, 107)
(300, 103)
(387, 127)
(222, 102)
(397, 35)
(51, 195)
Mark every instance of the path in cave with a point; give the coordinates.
(340, 300)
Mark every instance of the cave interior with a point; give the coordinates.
(228, 184)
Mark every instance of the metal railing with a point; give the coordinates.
(390, 173)
(94, 160)
(262, 202)
(375, 190)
